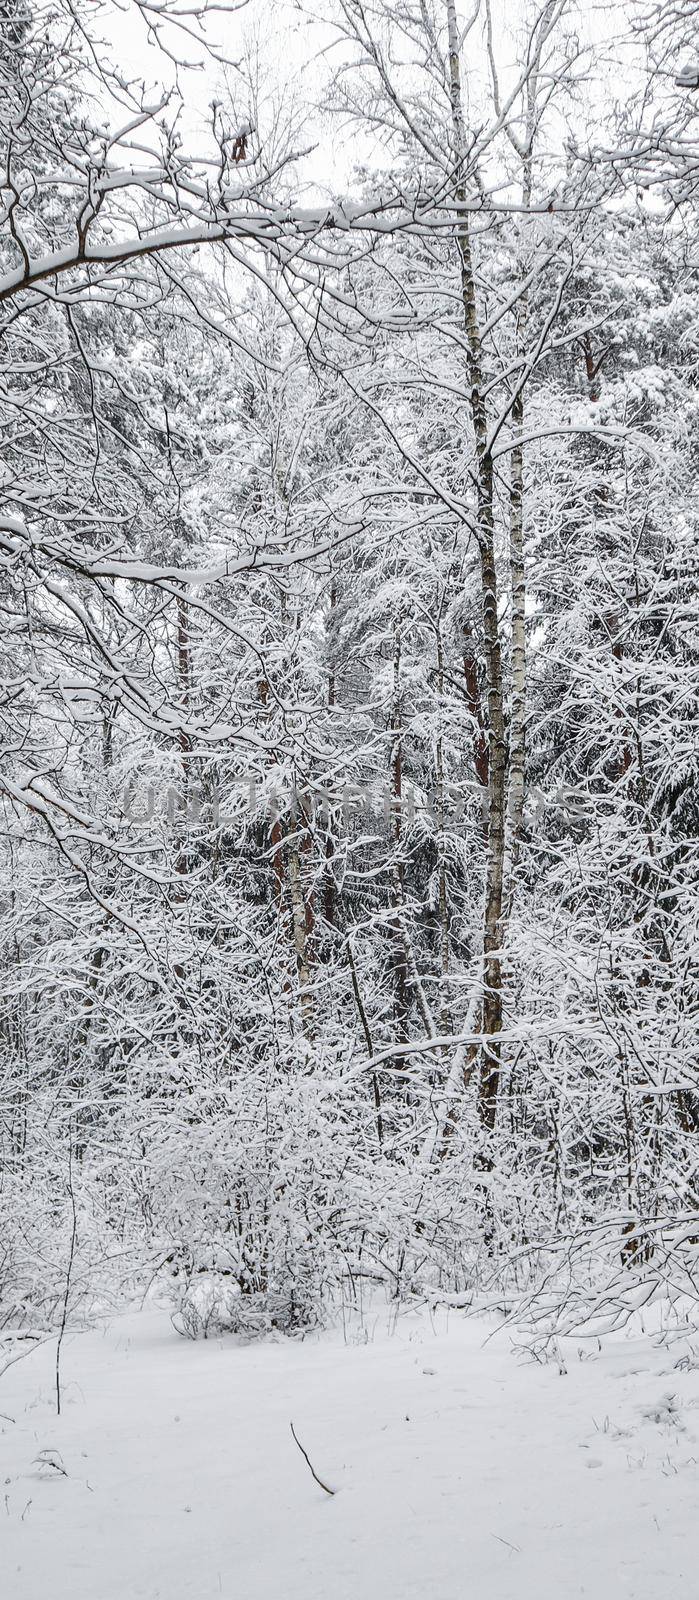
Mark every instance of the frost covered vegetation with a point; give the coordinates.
(348, 870)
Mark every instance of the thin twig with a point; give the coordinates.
(69, 1274)
(20, 1355)
(309, 1463)
(516, 1547)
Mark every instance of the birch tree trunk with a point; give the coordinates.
(491, 1018)
(518, 700)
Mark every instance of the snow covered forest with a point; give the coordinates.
(350, 659)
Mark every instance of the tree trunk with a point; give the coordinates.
(485, 531)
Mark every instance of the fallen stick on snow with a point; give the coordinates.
(308, 1461)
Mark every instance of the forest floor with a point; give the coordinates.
(463, 1469)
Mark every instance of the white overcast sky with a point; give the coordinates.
(294, 65)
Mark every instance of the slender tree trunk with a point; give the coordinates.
(497, 750)
(301, 928)
(395, 826)
(444, 942)
(518, 702)
(361, 1009)
(329, 888)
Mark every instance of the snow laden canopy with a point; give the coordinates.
(349, 661)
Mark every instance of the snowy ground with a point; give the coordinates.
(462, 1470)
